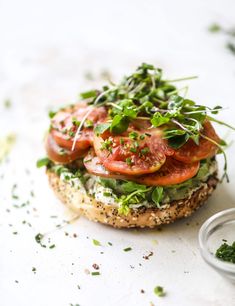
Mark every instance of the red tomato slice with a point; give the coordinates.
(83, 142)
(61, 155)
(65, 124)
(171, 173)
(94, 166)
(191, 152)
(129, 156)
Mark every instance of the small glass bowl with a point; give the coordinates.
(212, 234)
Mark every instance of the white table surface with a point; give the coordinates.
(46, 47)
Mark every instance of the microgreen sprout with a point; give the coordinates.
(146, 95)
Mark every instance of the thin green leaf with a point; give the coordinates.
(178, 141)
(231, 47)
(43, 162)
(88, 94)
(132, 186)
(159, 120)
(221, 122)
(101, 128)
(119, 124)
(157, 196)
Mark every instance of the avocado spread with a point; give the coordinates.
(171, 192)
(116, 192)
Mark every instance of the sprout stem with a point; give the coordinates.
(182, 79)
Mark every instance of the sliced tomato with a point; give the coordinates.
(129, 156)
(171, 173)
(94, 166)
(66, 122)
(83, 141)
(61, 155)
(191, 152)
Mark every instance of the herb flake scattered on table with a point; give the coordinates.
(95, 273)
(127, 249)
(96, 242)
(230, 32)
(159, 291)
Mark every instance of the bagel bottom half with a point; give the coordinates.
(84, 204)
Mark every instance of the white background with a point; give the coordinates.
(46, 47)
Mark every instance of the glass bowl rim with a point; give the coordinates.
(204, 232)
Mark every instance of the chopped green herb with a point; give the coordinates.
(75, 121)
(88, 124)
(95, 273)
(214, 28)
(127, 249)
(39, 238)
(71, 133)
(7, 103)
(6, 144)
(133, 150)
(107, 145)
(145, 150)
(34, 270)
(231, 47)
(226, 252)
(96, 242)
(21, 205)
(129, 161)
(52, 246)
(107, 194)
(110, 243)
(133, 135)
(159, 291)
(13, 194)
(51, 114)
